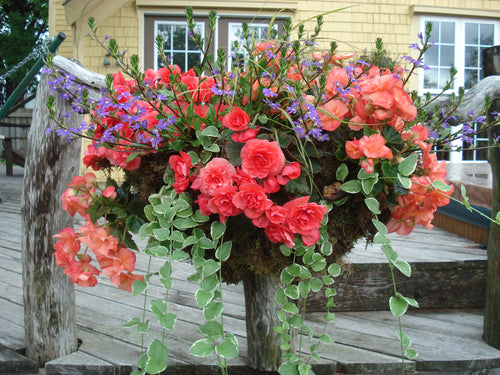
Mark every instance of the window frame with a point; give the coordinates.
(460, 64)
(459, 56)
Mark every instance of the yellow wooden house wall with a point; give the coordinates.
(354, 28)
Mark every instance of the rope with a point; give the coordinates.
(42, 50)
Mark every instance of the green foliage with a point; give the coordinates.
(23, 27)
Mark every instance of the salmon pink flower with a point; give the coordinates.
(261, 158)
(221, 202)
(109, 192)
(216, 174)
(280, 234)
(336, 112)
(236, 120)
(252, 199)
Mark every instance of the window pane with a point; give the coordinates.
(482, 153)
(447, 55)
(434, 37)
(487, 34)
(165, 32)
(444, 76)
(447, 32)
(179, 59)
(179, 37)
(194, 59)
(431, 79)
(471, 33)
(471, 56)
(192, 45)
(431, 56)
(470, 78)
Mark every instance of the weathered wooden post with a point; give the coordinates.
(51, 162)
(263, 343)
(491, 66)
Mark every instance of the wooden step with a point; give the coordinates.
(448, 272)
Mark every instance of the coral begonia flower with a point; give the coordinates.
(337, 110)
(221, 202)
(236, 120)
(217, 173)
(261, 158)
(374, 147)
(125, 281)
(68, 241)
(252, 199)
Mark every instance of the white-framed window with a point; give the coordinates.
(256, 31)
(457, 42)
(183, 51)
(177, 44)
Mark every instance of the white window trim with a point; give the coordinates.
(459, 42)
(183, 23)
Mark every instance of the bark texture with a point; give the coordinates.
(264, 352)
(491, 65)
(51, 163)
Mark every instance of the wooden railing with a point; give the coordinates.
(14, 133)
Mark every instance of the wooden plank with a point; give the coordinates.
(12, 362)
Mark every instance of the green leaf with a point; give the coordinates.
(179, 255)
(214, 147)
(209, 283)
(138, 287)
(177, 236)
(381, 239)
(206, 243)
(316, 284)
(223, 252)
(304, 288)
(157, 351)
(352, 187)
(131, 323)
(227, 349)
(280, 297)
(212, 310)
(403, 337)
(334, 270)
(326, 248)
(398, 306)
(210, 267)
(441, 185)
(342, 172)
(161, 234)
(290, 307)
(185, 223)
(305, 369)
(155, 367)
(330, 317)
(212, 329)
(157, 251)
(286, 277)
(158, 306)
(325, 338)
(292, 292)
(201, 348)
(168, 321)
(405, 181)
(403, 267)
(373, 205)
(411, 354)
(288, 368)
(362, 174)
(217, 229)
(367, 185)
(408, 165)
(381, 228)
(210, 131)
(389, 253)
(203, 297)
(296, 321)
(330, 292)
(143, 326)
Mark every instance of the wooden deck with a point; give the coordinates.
(448, 341)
